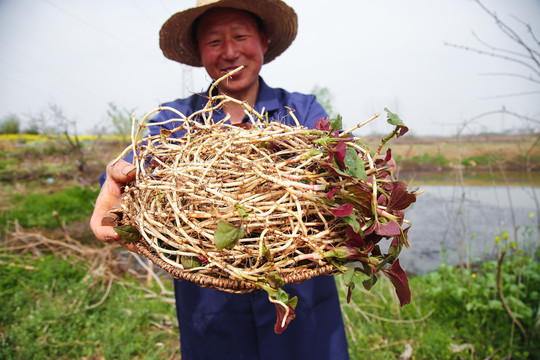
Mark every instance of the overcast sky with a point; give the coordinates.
(82, 55)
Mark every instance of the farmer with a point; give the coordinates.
(221, 36)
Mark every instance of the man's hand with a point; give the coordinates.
(118, 175)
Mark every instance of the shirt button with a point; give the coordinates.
(256, 294)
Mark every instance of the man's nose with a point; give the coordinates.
(230, 50)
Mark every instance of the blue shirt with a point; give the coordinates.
(220, 325)
(271, 101)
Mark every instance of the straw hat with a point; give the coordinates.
(176, 38)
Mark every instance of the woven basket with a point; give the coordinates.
(264, 170)
(235, 208)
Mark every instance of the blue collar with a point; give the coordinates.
(266, 99)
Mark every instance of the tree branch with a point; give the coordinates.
(510, 33)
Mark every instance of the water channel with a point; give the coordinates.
(450, 220)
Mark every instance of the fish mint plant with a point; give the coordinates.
(259, 207)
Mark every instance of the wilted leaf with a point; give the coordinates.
(243, 213)
(398, 277)
(403, 237)
(388, 155)
(227, 235)
(281, 325)
(189, 262)
(266, 253)
(276, 282)
(128, 233)
(368, 284)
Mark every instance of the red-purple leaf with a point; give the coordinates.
(340, 151)
(332, 193)
(323, 124)
(343, 210)
(280, 326)
(388, 155)
(398, 277)
(388, 229)
(403, 238)
(402, 130)
(400, 199)
(344, 252)
(361, 196)
(354, 239)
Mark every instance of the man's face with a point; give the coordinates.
(228, 38)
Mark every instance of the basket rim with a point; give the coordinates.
(228, 284)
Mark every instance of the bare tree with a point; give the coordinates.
(526, 55)
(54, 122)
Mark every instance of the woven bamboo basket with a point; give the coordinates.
(240, 208)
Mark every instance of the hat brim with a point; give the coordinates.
(280, 22)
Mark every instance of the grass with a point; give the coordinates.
(46, 210)
(452, 309)
(47, 313)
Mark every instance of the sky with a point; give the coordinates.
(82, 55)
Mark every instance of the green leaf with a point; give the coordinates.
(227, 235)
(293, 302)
(348, 276)
(368, 284)
(354, 165)
(189, 262)
(336, 124)
(282, 296)
(393, 119)
(266, 253)
(323, 141)
(274, 280)
(351, 220)
(243, 213)
(128, 233)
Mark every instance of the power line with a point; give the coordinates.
(96, 28)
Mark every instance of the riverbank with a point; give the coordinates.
(480, 152)
(482, 160)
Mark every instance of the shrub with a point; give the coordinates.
(10, 125)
